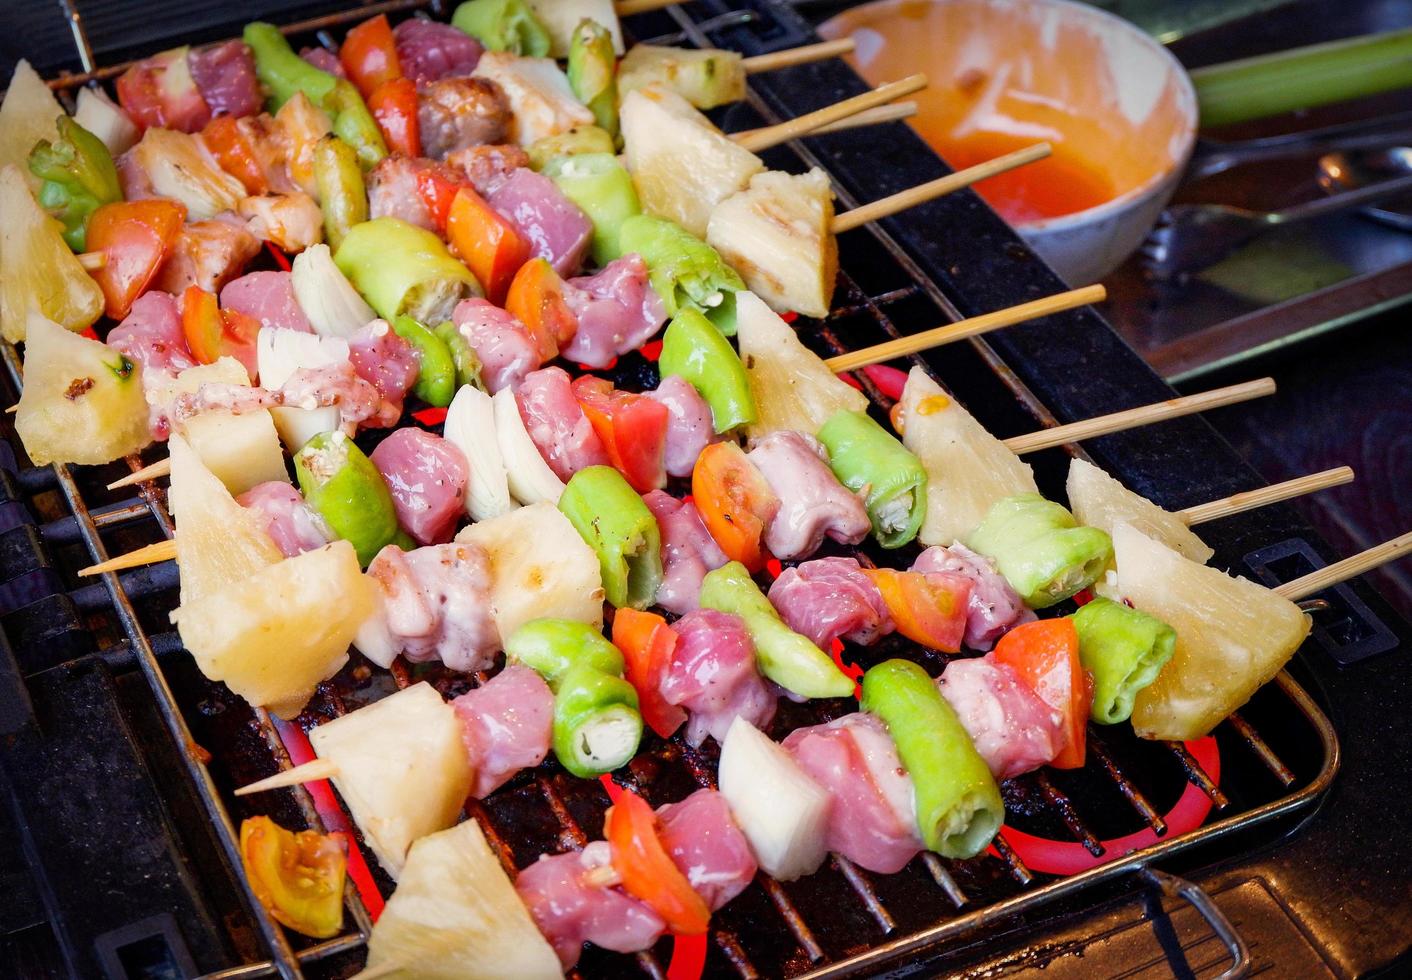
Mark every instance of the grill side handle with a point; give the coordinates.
(1174, 887)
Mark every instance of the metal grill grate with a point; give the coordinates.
(842, 921)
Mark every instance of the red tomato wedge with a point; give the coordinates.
(369, 55)
(394, 107)
(437, 188)
(735, 501)
(929, 608)
(633, 429)
(212, 333)
(647, 643)
(135, 238)
(648, 872)
(536, 297)
(488, 244)
(233, 150)
(1045, 654)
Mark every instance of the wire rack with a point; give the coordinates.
(847, 921)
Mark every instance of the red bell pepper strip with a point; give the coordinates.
(212, 333)
(437, 188)
(394, 106)
(647, 643)
(536, 297)
(648, 872)
(488, 244)
(135, 238)
(735, 502)
(229, 144)
(633, 429)
(1045, 654)
(369, 55)
(928, 609)
(298, 877)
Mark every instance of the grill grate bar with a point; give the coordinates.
(864, 889)
(1262, 749)
(1198, 776)
(1068, 813)
(1125, 785)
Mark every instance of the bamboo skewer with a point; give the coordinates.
(892, 112)
(92, 261)
(307, 773)
(922, 193)
(1351, 567)
(802, 55)
(961, 329)
(163, 467)
(1173, 408)
(1249, 500)
(756, 140)
(146, 555)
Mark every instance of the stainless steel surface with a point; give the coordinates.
(1351, 169)
(1174, 887)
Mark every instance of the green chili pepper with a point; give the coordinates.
(402, 269)
(1040, 548)
(503, 25)
(79, 177)
(578, 141)
(592, 67)
(603, 190)
(790, 660)
(597, 726)
(342, 194)
(959, 810)
(868, 459)
(693, 348)
(1124, 649)
(282, 73)
(463, 355)
(617, 525)
(344, 487)
(684, 270)
(436, 371)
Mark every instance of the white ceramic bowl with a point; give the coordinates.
(1046, 69)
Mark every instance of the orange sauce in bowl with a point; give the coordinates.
(1004, 74)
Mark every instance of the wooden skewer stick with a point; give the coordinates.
(148, 555)
(893, 112)
(163, 467)
(626, 8)
(922, 193)
(310, 771)
(93, 261)
(969, 327)
(1173, 408)
(802, 55)
(1342, 571)
(756, 140)
(13, 409)
(1249, 500)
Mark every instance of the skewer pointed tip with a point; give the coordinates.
(314, 769)
(149, 555)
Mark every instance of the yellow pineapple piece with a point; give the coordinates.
(1098, 500)
(38, 272)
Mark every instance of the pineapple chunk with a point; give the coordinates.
(242, 450)
(82, 400)
(1232, 636)
(541, 102)
(26, 116)
(456, 916)
(792, 386)
(704, 77)
(275, 635)
(38, 272)
(402, 769)
(968, 469)
(219, 542)
(681, 165)
(560, 17)
(539, 566)
(777, 234)
(1100, 501)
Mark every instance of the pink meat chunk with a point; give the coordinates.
(812, 501)
(688, 551)
(427, 477)
(268, 297)
(225, 75)
(455, 113)
(994, 608)
(151, 335)
(831, 598)
(208, 254)
(388, 363)
(393, 193)
(1013, 730)
(617, 309)
(485, 166)
(554, 226)
(506, 724)
(557, 424)
(324, 60)
(429, 51)
(689, 425)
(506, 351)
(706, 845)
(289, 522)
(714, 676)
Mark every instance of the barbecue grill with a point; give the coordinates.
(119, 759)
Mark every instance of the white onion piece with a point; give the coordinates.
(780, 809)
(531, 479)
(470, 427)
(327, 298)
(105, 119)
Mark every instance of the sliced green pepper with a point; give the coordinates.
(436, 371)
(617, 525)
(790, 660)
(1124, 649)
(684, 270)
(344, 488)
(463, 355)
(574, 142)
(868, 459)
(1040, 548)
(597, 726)
(693, 348)
(343, 197)
(282, 73)
(959, 810)
(592, 69)
(79, 177)
(402, 269)
(503, 25)
(603, 190)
